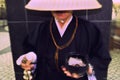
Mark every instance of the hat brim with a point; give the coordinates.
(62, 5)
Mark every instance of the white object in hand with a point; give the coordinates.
(29, 56)
(73, 61)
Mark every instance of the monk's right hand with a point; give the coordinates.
(26, 64)
(27, 61)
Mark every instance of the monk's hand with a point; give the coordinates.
(75, 75)
(69, 74)
(26, 64)
(27, 61)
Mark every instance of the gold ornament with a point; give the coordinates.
(27, 75)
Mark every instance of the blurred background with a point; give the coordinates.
(6, 60)
(7, 66)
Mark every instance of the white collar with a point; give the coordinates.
(63, 29)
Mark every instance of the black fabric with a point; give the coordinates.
(17, 20)
(87, 42)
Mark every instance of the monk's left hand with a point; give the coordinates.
(67, 73)
(75, 75)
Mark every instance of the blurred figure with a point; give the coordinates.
(57, 38)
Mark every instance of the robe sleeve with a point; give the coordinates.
(99, 54)
(31, 42)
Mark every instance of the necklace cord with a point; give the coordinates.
(58, 47)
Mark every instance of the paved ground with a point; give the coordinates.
(6, 64)
(114, 67)
(6, 67)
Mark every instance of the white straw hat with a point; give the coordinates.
(60, 5)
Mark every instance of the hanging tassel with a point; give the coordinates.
(56, 58)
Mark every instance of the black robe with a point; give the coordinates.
(87, 42)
